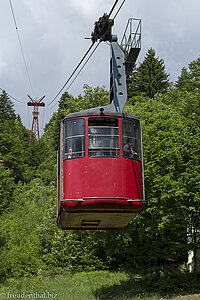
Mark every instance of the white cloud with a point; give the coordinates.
(85, 7)
(89, 8)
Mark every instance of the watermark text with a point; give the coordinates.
(35, 295)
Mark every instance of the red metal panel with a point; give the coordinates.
(132, 183)
(92, 177)
(102, 178)
(74, 178)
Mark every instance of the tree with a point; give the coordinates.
(190, 80)
(149, 78)
(6, 108)
(6, 188)
(182, 79)
(65, 101)
(21, 247)
(14, 139)
(14, 149)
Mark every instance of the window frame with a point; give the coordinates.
(74, 136)
(138, 140)
(117, 150)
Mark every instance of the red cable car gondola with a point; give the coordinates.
(100, 182)
(100, 161)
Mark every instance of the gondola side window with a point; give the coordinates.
(74, 138)
(131, 139)
(103, 137)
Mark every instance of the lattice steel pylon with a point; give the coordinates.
(35, 121)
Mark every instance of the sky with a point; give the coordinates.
(52, 34)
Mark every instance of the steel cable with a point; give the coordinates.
(71, 74)
(20, 43)
(80, 69)
(119, 9)
(12, 96)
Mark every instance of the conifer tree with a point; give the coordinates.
(149, 78)
(182, 79)
(6, 107)
(190, 80)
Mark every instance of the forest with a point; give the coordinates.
(157, 240)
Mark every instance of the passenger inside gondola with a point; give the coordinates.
(69, 153)
(129, 149)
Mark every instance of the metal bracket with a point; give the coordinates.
(77, 200)
(139, 200)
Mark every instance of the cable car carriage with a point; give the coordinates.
(100, 161)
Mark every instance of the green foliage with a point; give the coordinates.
(73, 252)
(92, 97)
(149, 78)
(19, 228)
(168, 157)
(14, 148)
(6, 188)
(182, 79)
(6, 108)
(190, 80)
(188, 105)
(14, 137)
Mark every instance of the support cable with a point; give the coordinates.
(80, 70)
(71, 74)
(12, 96)
(119, 9)
(112, 9)
(83, 66)
(20, 43)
